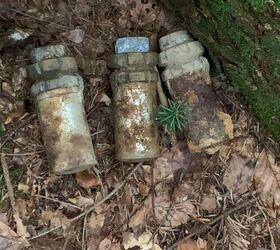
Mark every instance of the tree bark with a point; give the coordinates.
(243, 40)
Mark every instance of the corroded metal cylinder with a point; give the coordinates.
(187, 76)
(58, 94)
(135, 100)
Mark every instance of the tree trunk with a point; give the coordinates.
(243, 40)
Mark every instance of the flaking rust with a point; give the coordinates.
(187, 76)
(134, 88)
(58, 94)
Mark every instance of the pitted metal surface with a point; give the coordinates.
(50, 68)
(134, 89)
(136, 133)
(48, 52)
(136, 59)
(58, 94)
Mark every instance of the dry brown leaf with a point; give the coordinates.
(55, 219)
(9, 240)
(105, 99)
(208, 203)
(267, 179)
(106, 244)
(87, 179)
(238, 174)
(18, 111)
(143, 241)
(244, 146)
(178, 158)
(188, 245)
(241, 126)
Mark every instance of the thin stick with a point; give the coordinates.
(65, 204)
(23, 154)
(118, 187)
(217, 219)
(20, 227)
(8, 182)
(41, 20)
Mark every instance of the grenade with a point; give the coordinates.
(58, 95)
(135, 100)
(187, 77)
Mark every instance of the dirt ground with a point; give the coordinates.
(182, 200)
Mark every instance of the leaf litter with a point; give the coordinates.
(163, 201)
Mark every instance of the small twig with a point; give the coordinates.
(217, 219)
(117, 188)
(41, 20)
(161, 95)
(24, 154)
(65, 204)
(8, 182)
(20, 227)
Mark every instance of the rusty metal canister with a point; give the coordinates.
(58, 95)
(187, 77)
(135, 100)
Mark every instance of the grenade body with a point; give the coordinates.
(187, 76)
(58, 95)
(134, 99)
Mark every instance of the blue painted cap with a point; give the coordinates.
(132, 44)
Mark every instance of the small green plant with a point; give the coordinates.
(173, 117)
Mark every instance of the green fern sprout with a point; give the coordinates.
(173, 117)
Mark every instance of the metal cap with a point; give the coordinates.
(132, 44)
(174, 39)
(48, 52)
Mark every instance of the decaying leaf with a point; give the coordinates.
(130, 241)
(87, 179)
(244, 146)
(208, 203)
(9, 240)
(168, 212)
(76, 36)
(105, 99)
(188, 245)
(267, 179)
(178, 158)
(17, 112)
(238, 175)
(107, 244)
(54, 219)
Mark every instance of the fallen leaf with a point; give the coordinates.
(23, 187)
(267, 179)
(76, 36)
(106, 244)
(9, 240)
(83, 201)
(244, 146)
(208, 203)
(238, 174)
(143, 241)
(87, 179)
(55, 219)
(178, 158)
(241, 126)
(18, 111)
(105, 99)
(188, 245)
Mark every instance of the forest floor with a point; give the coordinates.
(182, 200)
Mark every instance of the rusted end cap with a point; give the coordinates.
(132, 44)
(174, 39)
(48, 52)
